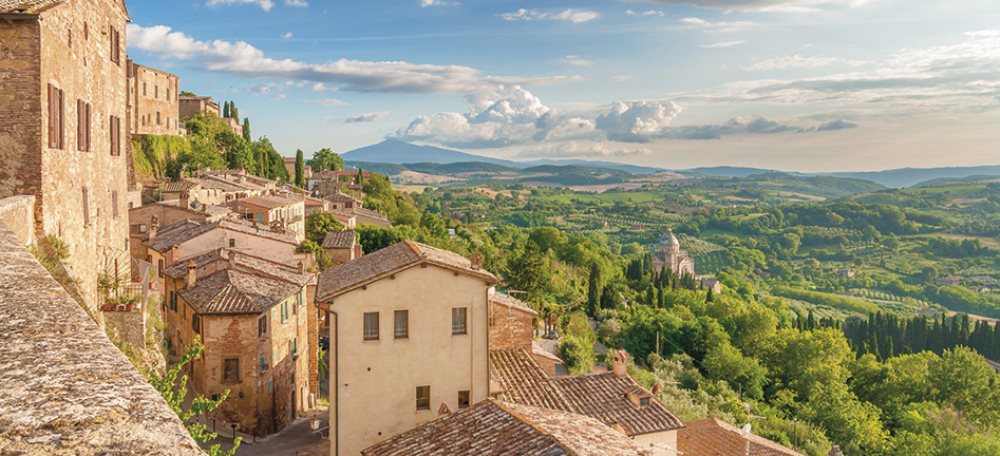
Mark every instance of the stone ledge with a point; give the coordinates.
(65, 389)
(17, 213)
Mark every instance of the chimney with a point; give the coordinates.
(477, 261)
(232, 259)
(302, 267)
(154, 226)
(656, 389)
(174, 249)
(185, 200)
(619, 361)
(192, 276)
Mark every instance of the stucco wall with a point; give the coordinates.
(661, 443)
(376, 384)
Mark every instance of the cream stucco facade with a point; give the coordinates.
(374, 382)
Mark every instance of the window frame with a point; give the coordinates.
(225, 371)
(366, 334)
(423, 402)
(464, 313)
(405, 333)
(467, 399)
(262, 326)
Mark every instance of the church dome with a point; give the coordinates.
(668, 238)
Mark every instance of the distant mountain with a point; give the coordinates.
(729, 171)
(908, 177)
(400, 152)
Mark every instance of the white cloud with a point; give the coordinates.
(428, 3)
(622, 78)
(722, 27)
(780, 6)
(798, 62)
(362, 76)
(647, 13)
(297, 3)
(576, 16)
(369, 117)
(723, 44)
(576, 60)
(265, 5)
(330, 102)
(288, 36)
(635, 121)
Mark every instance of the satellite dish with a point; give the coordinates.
(745, 430)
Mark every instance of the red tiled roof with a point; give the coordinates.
(712, 437)
(497, 428)
(381, 263)
(507, 300)
(232, 291)
(603, 396)
(523, 381)
(339, 240)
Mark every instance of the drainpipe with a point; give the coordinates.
(335, 387)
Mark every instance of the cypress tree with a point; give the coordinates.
(593, 290)
(300, 169)
(225, 110)
(246, 130)
(234, 112)
(710, 297)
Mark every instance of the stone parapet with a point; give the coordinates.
(17, 213)
(64, 387)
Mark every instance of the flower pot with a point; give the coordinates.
(130, 307)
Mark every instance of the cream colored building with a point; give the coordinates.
(408, 341)
(285, 212)
(153, 101)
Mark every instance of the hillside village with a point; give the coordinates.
(196, 292)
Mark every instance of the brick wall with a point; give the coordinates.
(20, 108)
(511, 327)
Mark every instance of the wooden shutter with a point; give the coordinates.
(52, 117)
(86, 208)
(62, 120)
(79, 125)
(114, 203)
(87, 129)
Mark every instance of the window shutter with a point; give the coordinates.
(88, 128)
(62, 122)
(86, 208)
(79, 125)
(52, 114)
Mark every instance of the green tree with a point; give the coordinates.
(725, 362)
(300, 169)
(578, 354)
(174, 391)
(246, 130)
(320, 223)
(594, 290)
(226, 110)
(234, 112)
(326, 160)
(323, 259)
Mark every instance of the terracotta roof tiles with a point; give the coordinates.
(712, 437)
(523, 381)
(371, 267)
(604, 396)
(231, 291)
(512, 302)
(340, 240)
(498, 428)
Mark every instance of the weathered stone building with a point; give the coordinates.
(153, 101)
(191, 105)
(250, 313)
(64, 127)
(342, 246)
(285, 212)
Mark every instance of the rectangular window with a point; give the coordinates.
(458, 321)
(173, 297)
(158, 121)
(423, 398)
(231, 370)
(168, 97)
(56, 113)
(284, 311)
(371, 326)
(86, 207)
(299, 299)
(463, 399)
(232, 243)
(156, 91)
(115, 129)
(116, 45)
(196, 323)
(82, 126)
(114, 203)
(143, 89)
(262, 326)
(295, 346)
(401, 324)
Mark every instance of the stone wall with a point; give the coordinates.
(129, 326)
(66, 389)
(17, 213)
(154, 101)
(510, 327)
(20, 108)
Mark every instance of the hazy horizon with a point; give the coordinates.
(796, 85)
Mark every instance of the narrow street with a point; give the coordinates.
(298, 439)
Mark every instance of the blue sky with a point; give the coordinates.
(804, 85)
